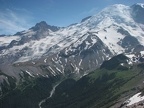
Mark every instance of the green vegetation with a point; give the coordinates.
(8, 85)
(101, 89)
(28, 93)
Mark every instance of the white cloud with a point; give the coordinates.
(12, 22)
(90, 12)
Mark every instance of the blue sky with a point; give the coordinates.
(18, 15)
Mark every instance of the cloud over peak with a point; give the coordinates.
(12, 22)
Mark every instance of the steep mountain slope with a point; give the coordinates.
(28, 93)
(73, 51)
(102, 88)
(111, 25)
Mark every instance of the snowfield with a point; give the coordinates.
(135, 99)
(4, 41)
(105, 25)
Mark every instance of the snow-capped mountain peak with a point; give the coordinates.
(119, 14)
(111, 25)
(140, 4)
(76, 50)
(80, 47)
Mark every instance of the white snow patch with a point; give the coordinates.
(94, 40)
(66, 60)
(80, 62)
(77, 69)
(96, 61)
(4, 41)
(122, 64)
(135, 99)
(142, 52)
(53, 60)
(62, 68)
(45, 60)
(33, 62)
(58, 69)
(103, 58)
(141, 4)
(53, 72)
(72, 65)
(130, 56)
(29, 73)
(87, 45)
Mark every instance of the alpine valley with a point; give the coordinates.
(97, 63)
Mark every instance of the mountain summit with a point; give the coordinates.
(46, 51)
(44, 26)
(115, 27)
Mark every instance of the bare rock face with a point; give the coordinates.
(137, 12)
